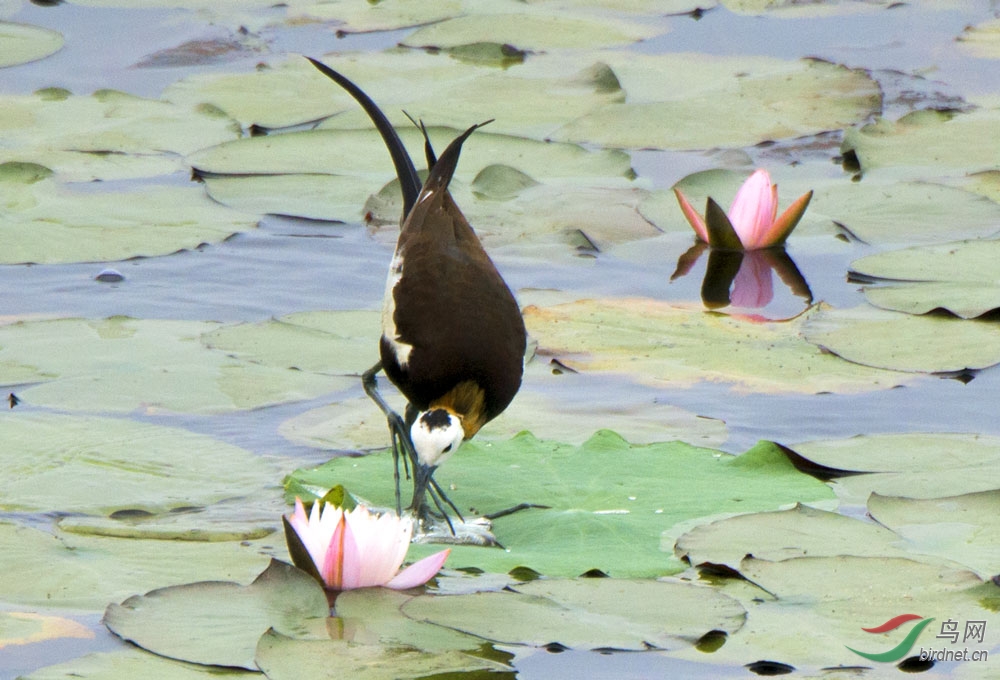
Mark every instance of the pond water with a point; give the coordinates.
(290, 265)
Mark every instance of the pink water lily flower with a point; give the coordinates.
(753, 220)
(356, 548)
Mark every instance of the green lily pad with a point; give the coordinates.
(587, 613)
(698, 94)
(122, 364)
(218, 623)
(86, 572)
(657, 343)
(131, 663)
(957, 277)
(45, 222)
(352, 17)
(282, 657)
(963, 528)
(601, 515)
(107, 135)
(982, 40)
(76, 464)
(903, 342)
(25, 628)
(928, 143)
(784, 534)
(536, 30)
(21, 43)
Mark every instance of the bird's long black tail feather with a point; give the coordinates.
(409, 182)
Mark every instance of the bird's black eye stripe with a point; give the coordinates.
(446, 449)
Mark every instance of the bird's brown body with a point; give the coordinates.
(453, 338)
(452, 307)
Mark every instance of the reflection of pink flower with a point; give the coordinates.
(358, 549)
(752, 221)
(752, 286)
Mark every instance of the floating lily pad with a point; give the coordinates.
(914, 465)
(122, 364)
(907, 212)
(784, 534)
(686, 101)
(373, 616)
(218, 623)
(821, 604)
(107, 135)
(25, 628)
(84, 572)
(963, 528)
(660, 343)
(587, 613)
(598, 506)
(131, 663)
(903, 342)
(286, 658)
(982, 40)
(44, 222)
(352, 17)
(957, 277)
(324, 342)
(928, 143)
(75, 464)
(21, 43)
(536, 30)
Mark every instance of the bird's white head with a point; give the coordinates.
(436, 435)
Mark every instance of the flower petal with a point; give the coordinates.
(753, 285)
(382, 542)
(752, 211)
(721, 233)
(419, 572)
(776, 234)
(332, 570)
(696, 221)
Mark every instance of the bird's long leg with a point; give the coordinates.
(399, 434)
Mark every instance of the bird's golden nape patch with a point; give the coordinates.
(467, 400)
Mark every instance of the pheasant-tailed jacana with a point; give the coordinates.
(453, 339)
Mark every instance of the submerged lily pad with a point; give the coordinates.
(587, 613)
(958, 277)
(218, 623)
(45, 222)
(659, 343)
(601, 515)
(122, 364)
(21, 43)
(903, 342)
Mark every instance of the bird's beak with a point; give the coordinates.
(421, 480)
